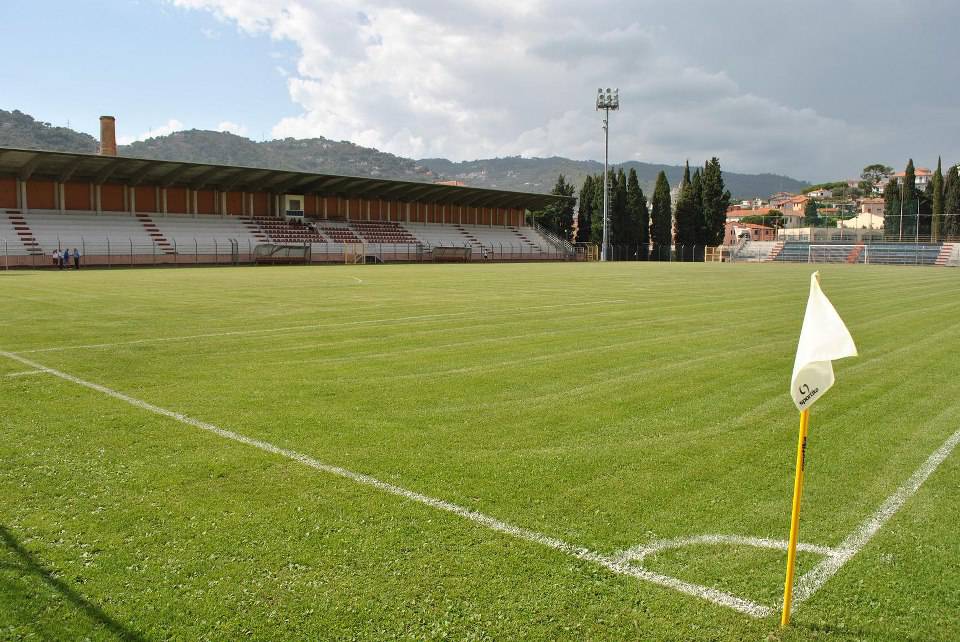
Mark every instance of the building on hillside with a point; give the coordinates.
(863, 221)
(797, 204)
(821, 193)
(780, 200)
(871, 206)
(922, 176)
(735, 232)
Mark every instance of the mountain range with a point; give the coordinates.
(322, 155)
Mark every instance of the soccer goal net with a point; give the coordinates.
(835, 253)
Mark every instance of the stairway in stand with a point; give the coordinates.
(775, 251)
(855, 253)
(154, 232)
(530, 244)
(946, 250)
(27, 239)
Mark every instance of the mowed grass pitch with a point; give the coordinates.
(607, 406)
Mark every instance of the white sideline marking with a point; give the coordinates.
(816, 577)
(23, 373)
(310, 326)
(617, 566)
(638, 553)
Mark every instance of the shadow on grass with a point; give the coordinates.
(29, 566)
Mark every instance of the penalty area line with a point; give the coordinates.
(24, 373)
(617, 566)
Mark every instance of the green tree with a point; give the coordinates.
(685, 218)
(699, 222)
(936, 185)
(773, 218)
(620, 236)
(871, 176)
(585, 211)
(660, 218)
(891, 208)
(810, 216)
(910, 199)
(638, 216)
(716, 200)
(951, 203)
(558, 217)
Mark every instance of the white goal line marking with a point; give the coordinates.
(618, 566)
(314, 326)
(619, 563)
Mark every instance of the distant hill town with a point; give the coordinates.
(18, 129)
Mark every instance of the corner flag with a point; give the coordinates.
(823, 338)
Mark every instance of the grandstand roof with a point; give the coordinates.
(64, 166)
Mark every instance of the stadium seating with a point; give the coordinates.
(382, 232)
(883, 253)
(188, 235)
(91, 232)
(280, 231)
(338, 231)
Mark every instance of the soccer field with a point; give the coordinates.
(555, 451)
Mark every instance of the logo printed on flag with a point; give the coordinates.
(823, 338)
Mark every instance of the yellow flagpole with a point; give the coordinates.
(795, 517)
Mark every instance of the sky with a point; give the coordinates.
(811, 89)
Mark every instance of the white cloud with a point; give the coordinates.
(233, 128)
(496, 78)
(172, 125)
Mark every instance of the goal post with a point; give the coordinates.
(354, 253)
(838, 253)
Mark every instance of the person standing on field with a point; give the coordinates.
(65, 260)
(55, 255)
(76, 259)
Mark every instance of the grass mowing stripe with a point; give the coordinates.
(720, 598)
(312, 326)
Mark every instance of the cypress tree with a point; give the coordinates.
(716, 200)
(891, 208)
(585, 211)
(638, 217)
(699, 222)
(951, 203)
(936, 221)
(685, 228)
(597, 235)
(810, 216)
(618, 214)
(911, 200)
(660, 218)
(558, 217)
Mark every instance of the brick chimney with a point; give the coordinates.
(108, 136)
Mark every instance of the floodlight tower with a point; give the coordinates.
(606, 101)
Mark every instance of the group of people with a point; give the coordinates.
(61, 259)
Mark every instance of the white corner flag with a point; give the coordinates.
(823, 338)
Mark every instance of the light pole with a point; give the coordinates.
(606, 102)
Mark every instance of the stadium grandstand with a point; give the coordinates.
(122, 210)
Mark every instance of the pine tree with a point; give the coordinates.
(891, 208)
(660, 218)
(685, 228)
(585, 211)
(951, 203)
(638, 217)
(716, 200)
(936, 221)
